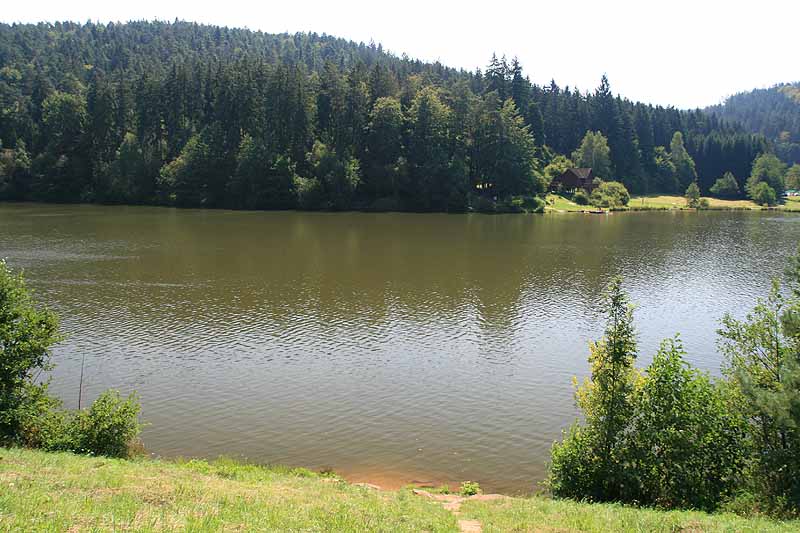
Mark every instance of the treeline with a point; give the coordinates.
(773, 112)
(673, 437)
(192, 115)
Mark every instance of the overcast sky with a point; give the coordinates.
(685, 53)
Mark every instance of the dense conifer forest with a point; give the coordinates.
(193, 115)
(774, 112)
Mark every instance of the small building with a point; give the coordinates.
(573, 179)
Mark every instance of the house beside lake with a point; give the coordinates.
(573, 179)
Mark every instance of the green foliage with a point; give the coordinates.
(762, 354)
(310, 194)
(773, 112)
(195, 176)
(27, 334)
(594, 153)
(685, 171)
(384, 148)
(470, 488)
(762, 194)
(726, 187)
(610, 194)
(693, 195)
(426, 137)
(28, 415)
(431, 185)
(685, 442)
(580, 197)
(792, 180)
(506, 163)
(262, 180)
(109, 427)
(555, 168)
(665, 173)
(339, 177)
(767, 168)
(588, 462)
(668, 437)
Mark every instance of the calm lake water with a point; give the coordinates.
(389, 347)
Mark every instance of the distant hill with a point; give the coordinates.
(194, 115)
(773, 112)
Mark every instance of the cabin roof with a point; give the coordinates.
(582, 173)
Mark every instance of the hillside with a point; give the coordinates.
(193, 115)
(42, 491)
(773, 112)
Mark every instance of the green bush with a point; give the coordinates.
(763, 194)
(310, 194)
(763, 367)
(27, 334)
(470, 488)
(610, 194)
(580, 197)
(28, 415)
(726, 186)
(669, 437)
(685, 446)
(511, 204)
(693, 195)
(109, 427)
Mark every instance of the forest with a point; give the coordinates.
(177, 113)
(774, 112)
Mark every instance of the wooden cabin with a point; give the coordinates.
(573, 179)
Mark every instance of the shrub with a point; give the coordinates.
(763, 367)
(470, 488)
(588, 463)
(530, 204)
(693, 195)
(28, 415)
(310, 194)
(580, 197)
(109, 427)
(685, 443)
(726, 187)
(610, 194)
(763, 194)
(669, 437)
(26, 335)
(769, 169)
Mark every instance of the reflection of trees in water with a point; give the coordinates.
(355, 273)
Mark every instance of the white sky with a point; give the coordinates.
(685, 53)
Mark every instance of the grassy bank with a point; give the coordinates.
(540, 514)
(62, 492)
(662, 202)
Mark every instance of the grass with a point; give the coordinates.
(62, 492)
(42, 491)
(556, 202)
(663, 202)
(792, 203)
(541, 514)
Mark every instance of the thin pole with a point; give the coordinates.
(80, 384)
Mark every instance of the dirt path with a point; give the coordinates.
(452, 502)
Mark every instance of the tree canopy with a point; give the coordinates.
(178, 113)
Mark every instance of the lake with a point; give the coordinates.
(388, 347)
